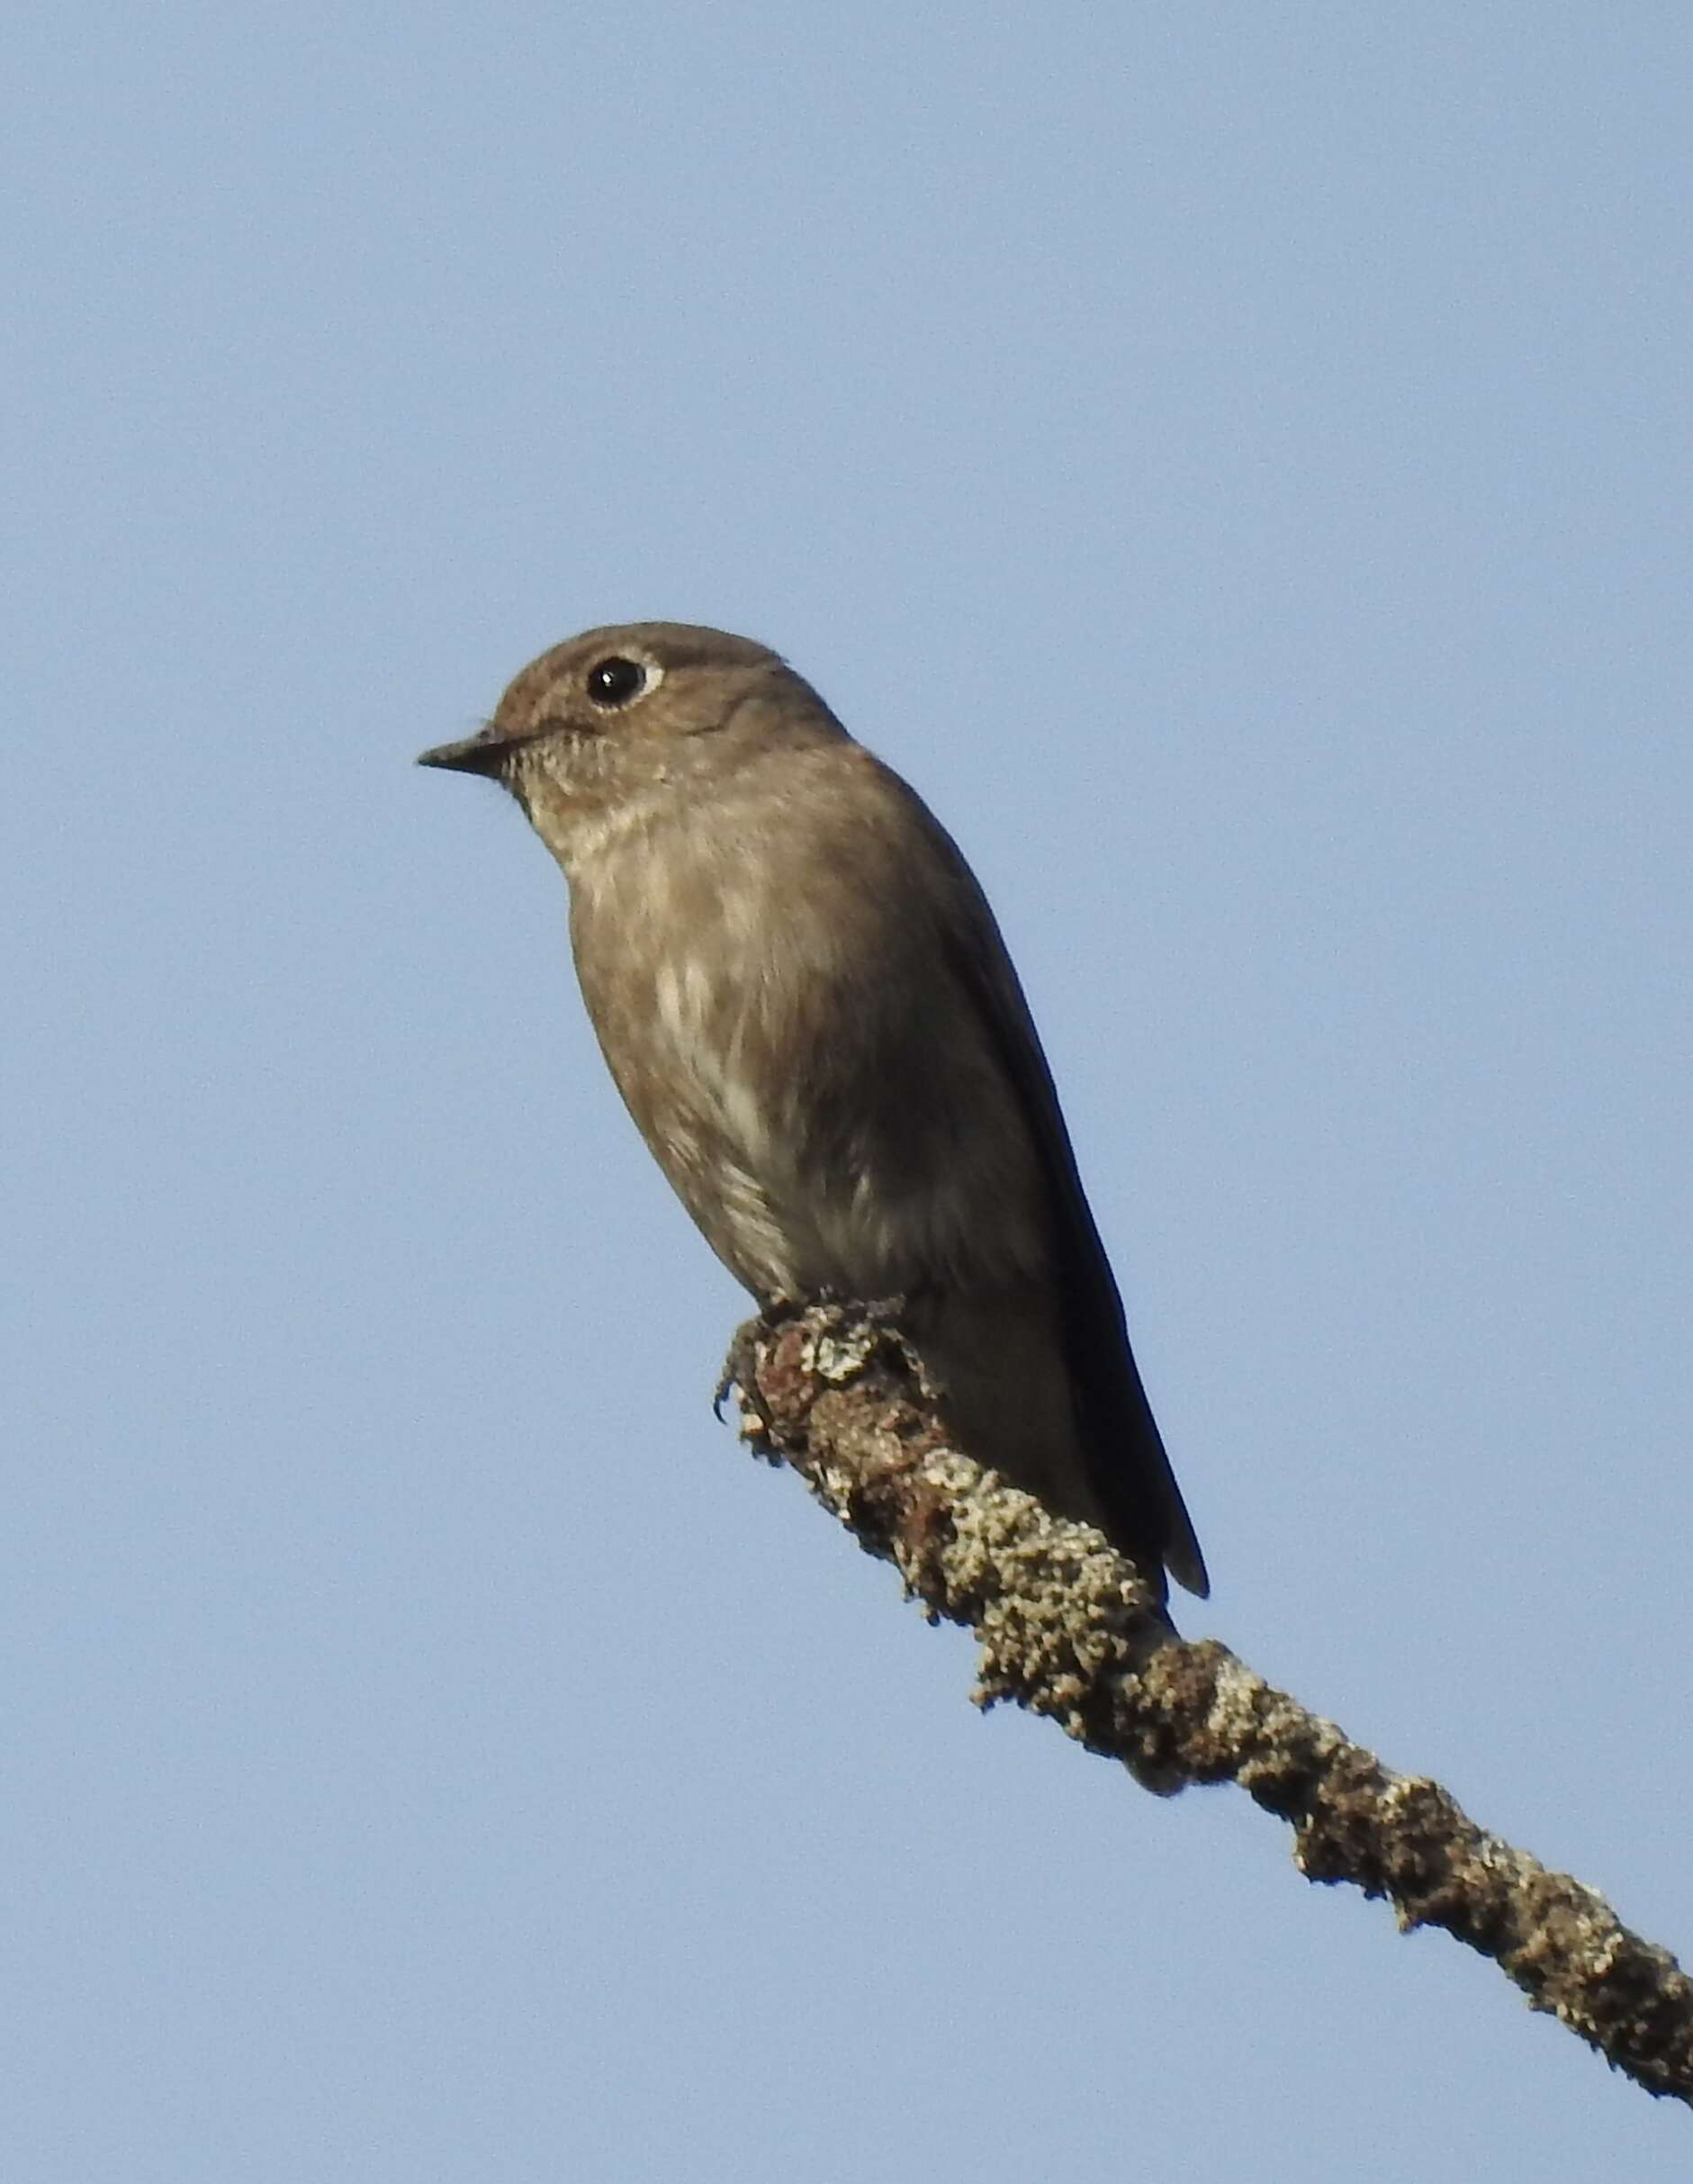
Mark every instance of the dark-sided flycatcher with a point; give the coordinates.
(806, 1004)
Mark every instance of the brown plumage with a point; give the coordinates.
(807, 1006)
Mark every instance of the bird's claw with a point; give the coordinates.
(886, 1313)
(737, 1365)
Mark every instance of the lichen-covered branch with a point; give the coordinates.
(1068, 1628)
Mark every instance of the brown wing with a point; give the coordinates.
(1131, 1472)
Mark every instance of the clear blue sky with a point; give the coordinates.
(1237, 462)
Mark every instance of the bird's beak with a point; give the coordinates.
(485, 752)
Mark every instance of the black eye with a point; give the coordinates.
(616, 680)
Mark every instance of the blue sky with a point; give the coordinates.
(1236, 463)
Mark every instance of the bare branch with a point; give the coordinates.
(1068, 1629)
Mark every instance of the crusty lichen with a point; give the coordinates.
(1068, 1628)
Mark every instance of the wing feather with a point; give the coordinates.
(1131, 1472)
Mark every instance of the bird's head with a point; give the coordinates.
(610, 725)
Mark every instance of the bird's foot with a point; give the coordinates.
(885, 1314)
(738, 1363)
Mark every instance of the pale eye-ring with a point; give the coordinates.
(616, 680)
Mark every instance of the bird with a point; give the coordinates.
(807, 1004)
